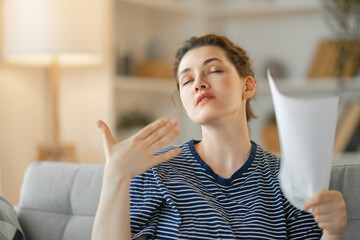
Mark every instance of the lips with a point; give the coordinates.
(204, 97)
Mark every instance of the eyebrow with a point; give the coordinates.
(207, 61)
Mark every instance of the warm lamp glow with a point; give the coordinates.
(54, 33)
(37, 32)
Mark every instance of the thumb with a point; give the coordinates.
(107, 135)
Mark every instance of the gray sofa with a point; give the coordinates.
(58, 200)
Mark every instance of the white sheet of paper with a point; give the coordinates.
(306, 132)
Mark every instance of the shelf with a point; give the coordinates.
(285, 86)
(155, 85)
(315, 86)
(231, 8)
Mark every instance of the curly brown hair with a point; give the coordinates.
(235, 54)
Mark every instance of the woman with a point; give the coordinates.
(222, 187)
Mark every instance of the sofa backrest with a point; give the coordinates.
(345, 177)
(58, 201)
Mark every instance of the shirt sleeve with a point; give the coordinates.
(300, 224)
(145, 205)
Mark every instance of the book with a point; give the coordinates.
(354, 143)
(325, 63)
(347, 126)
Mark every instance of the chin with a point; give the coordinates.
(212, 116)
(205, 118)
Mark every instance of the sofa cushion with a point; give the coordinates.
(10, 228)
(59, 200)
(345, 177)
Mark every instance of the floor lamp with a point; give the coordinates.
(54, 34)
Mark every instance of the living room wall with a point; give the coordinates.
(85, 96)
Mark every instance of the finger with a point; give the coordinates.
(161, 132)
(322, 218)
(165, 141)
(335, 216)
(107, 135)
(319, 198)
(146, 131)
(166, 156)
(333, 227)
(323, 208)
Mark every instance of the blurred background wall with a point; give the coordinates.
(85, 97)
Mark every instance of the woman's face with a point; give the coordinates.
(210, 87)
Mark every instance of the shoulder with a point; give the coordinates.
(270, 160)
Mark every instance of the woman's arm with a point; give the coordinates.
(125, 160)
(112, 220)
(329, 211)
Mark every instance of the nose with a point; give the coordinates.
(200, 83)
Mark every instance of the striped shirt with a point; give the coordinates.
(184, 199)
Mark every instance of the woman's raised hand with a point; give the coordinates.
(125, 160)
(135, 155)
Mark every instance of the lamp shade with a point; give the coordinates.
(37, 32)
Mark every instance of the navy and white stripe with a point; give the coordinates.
(184, 199)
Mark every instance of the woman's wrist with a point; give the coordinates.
(115, 182)
(113, 172)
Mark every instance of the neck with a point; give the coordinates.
(225, 147)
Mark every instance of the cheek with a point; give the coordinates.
(184, 97)
(229, 88)
(187, 100)
(236, 86)
(231, 94)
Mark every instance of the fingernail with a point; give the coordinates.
(165, 120)
(174, 122)
(176, 131)
(99, 124)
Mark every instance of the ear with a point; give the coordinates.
(249, 87)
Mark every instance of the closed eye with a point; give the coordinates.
(186, 82)
(214, 71)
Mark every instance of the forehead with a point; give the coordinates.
(198, 55)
